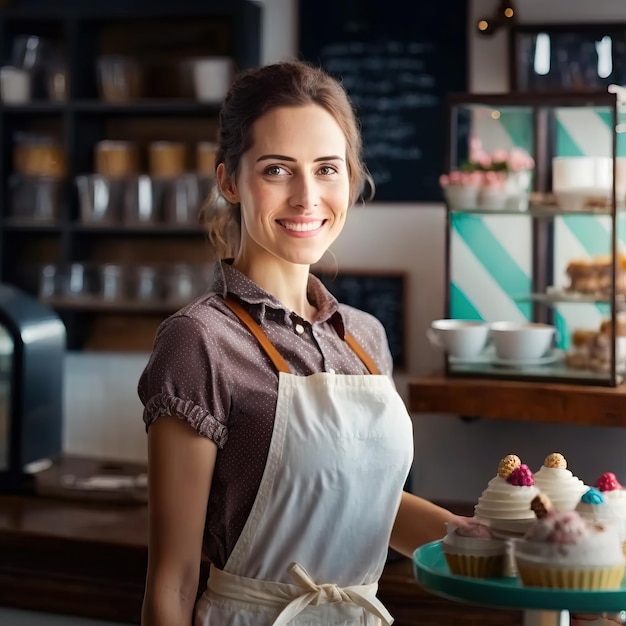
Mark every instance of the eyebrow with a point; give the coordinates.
(282, 157)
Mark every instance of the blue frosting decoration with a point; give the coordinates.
(592, 496)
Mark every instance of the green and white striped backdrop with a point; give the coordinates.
(491, 255)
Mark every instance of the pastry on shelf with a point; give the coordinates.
(593, 276)
(591, 349)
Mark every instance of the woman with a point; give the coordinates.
(277, 441)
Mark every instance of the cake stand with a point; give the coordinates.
(545, 607)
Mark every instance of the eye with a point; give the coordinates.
(327, 170)
(274, 170)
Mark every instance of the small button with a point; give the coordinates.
(331, 371)
(299, 329)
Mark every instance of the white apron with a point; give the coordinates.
(315, 542)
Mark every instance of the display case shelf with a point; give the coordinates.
(542, 249)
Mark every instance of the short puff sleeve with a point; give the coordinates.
(183, 378)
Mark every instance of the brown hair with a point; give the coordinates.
(252, 94)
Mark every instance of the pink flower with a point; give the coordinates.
(457, 177)
(519, 160)
(494, 179)
(499, 156)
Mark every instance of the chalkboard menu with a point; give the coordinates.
(398, 59)
(382, 294)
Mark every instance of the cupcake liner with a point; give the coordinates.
(570, 578)
(476, 566)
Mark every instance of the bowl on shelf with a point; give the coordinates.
(462, 339)
(522, 341)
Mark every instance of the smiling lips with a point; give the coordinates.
(302, 227)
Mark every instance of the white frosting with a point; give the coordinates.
(505, 506)
(616, 500)
(602, 512)
(454, 543)
(600, 548)
(561, 486)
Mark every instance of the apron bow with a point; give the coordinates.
(326, 594)
(293, 599)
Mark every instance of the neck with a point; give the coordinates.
(287, 282)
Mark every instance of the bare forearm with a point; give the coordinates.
(166, 609)
(418, 522)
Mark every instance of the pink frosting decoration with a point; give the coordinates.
(521, 476)
(472, 528)
(608, 482)
(565, 527)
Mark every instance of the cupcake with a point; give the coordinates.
(558, 483)
(505, 503)
(593, 508)
(562, 550)
(472, 550)
(615, 496)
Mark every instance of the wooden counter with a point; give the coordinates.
(527, 401)
(90, 560)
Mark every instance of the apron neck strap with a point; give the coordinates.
(273, 354)
(357, 348)
(275, 357)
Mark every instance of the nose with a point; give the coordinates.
(304, 192)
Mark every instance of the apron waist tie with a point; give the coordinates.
(295, 598)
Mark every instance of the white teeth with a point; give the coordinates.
(298, 226)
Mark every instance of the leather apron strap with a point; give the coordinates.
(293, 599)
(278, 361)
(274, 355)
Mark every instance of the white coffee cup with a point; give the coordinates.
(573, 173)
(521, 341)
(463, 339)
(15, 85)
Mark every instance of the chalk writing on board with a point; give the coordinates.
(381, 295)
(398, 61)
(388, 83)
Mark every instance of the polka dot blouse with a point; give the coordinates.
(208, 369)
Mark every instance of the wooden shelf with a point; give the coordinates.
(514, 400)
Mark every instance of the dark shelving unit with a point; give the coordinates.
(158, 33)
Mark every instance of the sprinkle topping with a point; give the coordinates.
(608, 482)
(508, 464)
(592, 496)
(555, 460)
(521, 476)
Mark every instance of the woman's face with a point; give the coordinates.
(292, 186)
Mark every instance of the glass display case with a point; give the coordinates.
(535, 238)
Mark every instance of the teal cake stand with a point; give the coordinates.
(432, 573)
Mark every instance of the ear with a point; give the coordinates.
(227, 185)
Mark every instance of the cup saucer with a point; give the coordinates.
(551, 357)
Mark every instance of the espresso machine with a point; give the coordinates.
(32, 350)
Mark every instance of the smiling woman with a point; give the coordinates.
(264, 396)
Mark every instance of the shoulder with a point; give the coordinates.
(370, 333)
(205, 317)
